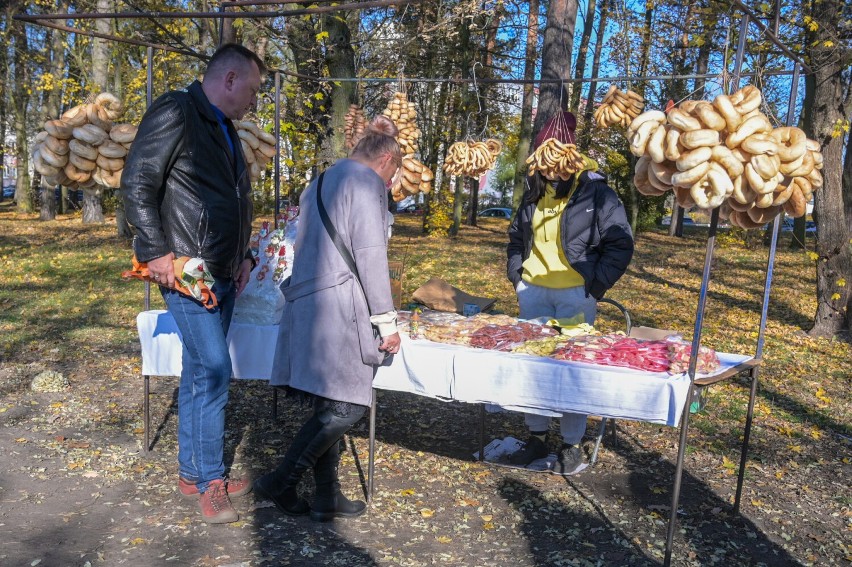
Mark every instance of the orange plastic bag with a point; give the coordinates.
(191, 279)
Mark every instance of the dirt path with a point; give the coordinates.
(76, 490)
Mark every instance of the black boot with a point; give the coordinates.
(282, 494)
(279, 486)
(329, 502)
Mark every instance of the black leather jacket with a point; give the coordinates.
(595, 235)
(183, 189)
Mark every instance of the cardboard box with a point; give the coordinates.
(650, 333)
(395, 273)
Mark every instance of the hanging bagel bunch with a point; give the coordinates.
(472, 158)
(354, 123)
(258, 147)
(84, 148)
(555, 160)
(618, 108)
(414, 177)
(725, 154)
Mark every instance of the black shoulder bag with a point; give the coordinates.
(332, 232)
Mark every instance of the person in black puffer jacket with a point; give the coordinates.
(569, 242)
(186, 192)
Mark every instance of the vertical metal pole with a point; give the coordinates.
(693, 361)
(371, 459)
(738, 58)
(277, 132)
(746, 436)
(146, 390)
(146, 414)
(481, 432)
(764, 311)
(699, 320)
(681, 452)
(149, 99)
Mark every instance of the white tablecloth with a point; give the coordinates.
(514, 381)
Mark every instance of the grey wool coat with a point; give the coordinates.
(326, 343)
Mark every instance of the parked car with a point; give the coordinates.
(8, 192)
(411, 209)
(497, 212)
(667, 220)
(788, 223)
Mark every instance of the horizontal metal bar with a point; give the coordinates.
(218, 15)
(139, 42)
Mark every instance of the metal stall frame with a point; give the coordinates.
(696, 384)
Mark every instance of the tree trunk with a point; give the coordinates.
(340, 59)
(93, 208)
(831, 102)
(555, 59)
(577, 87)
(4, 80)
(51, 108)
(585, 137)
(847, 188)
(23, 189)
(525, 134)
(676, 90)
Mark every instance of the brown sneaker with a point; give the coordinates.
(235, 487)
(215, 505)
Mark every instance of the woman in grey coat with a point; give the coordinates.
(339, 321)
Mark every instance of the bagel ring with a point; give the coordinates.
(683, 198)
(123, 133)
(81, 163)
(59, 129)
(112, 150)
(691, 176)
(791, 142)
(90, 134)
(699, 138)
(656, 144)
(750, 99)
(708, 115)
(725, 157)
(723, 104)
(683, 121)
(759, 144)
(82, 149)
(75, 116)
(48, 157)
(751, 126)
(673, 147)
(693, 158)
(110, 103)
(58, 147)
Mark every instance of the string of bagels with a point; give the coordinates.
(725, 153)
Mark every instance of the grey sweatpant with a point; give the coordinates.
(536, 301)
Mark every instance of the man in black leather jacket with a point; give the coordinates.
(186, 192)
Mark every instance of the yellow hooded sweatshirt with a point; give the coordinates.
(547, 265)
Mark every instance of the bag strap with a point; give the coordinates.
(332, 232)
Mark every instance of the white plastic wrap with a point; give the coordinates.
(262, 302)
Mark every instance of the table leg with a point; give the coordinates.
(746, 435)
(601, 433)
(681, 451)
(146, 409)
(481, 432)
(371, 459)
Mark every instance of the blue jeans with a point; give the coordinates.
(204, 381)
